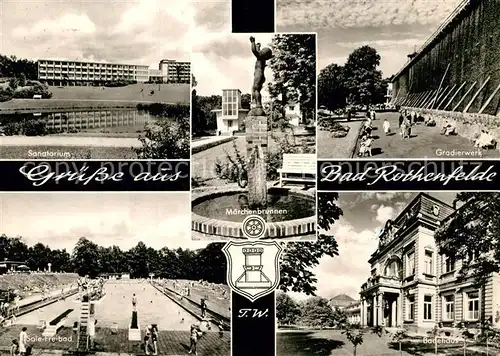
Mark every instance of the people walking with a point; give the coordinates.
(14, 348)
(23, 341)
(387, 127)
(196, 333)
(203, 308)
(154, 339)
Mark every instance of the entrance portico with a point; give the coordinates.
(381, 302)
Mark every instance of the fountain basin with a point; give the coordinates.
(218, 213)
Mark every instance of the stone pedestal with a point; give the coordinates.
(134, 334)
(257, 141)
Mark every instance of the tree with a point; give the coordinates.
(316, 312)
(245, 101)
(194, 83)
(14, 83)
(86, 258)
(39, 257)
(331, 87)
(294, 71)
(399, 336)
(203, 117)
(299, 257)
(287, 310)
(22, 79)
(211, 263)
(355, 337)
(471, 236)
(363, 81)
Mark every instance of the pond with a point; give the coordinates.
(104, 121)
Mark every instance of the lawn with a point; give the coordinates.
(169, 93)
(65, 98)
(64, 152)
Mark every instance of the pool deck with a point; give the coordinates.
(108, 342)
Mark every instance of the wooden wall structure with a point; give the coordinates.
(458, 68)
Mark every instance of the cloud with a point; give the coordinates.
(223, 60)
(66, 25)
(139, 32)
(385, 44)
(315, 14)
(351, 268)
(213, 15)
(385, 213)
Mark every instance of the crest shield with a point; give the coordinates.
(253, 267)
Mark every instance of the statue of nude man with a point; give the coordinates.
(262, 56)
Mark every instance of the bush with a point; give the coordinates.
(29, 92)
(6, 94)
(168, 139)
(165, 110)
(233, 169)
(28, 127)
(119, 83)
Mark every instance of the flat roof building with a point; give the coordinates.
(64, 72)
(232, 116)
(175, 72)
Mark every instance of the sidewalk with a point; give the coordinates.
(69, 141)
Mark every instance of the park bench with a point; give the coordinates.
(298, 168)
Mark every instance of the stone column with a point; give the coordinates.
(363, 312)
(400, 310)
(256, 140)
(374, 311)
(380, 308)
(394, 306)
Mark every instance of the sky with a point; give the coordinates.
(225, 61)
(395, 28)
(123, 31)
(364, 214)
(123, 219)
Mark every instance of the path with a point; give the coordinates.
(424, 142)
(207, 140)
(69, 141)
(204, 162)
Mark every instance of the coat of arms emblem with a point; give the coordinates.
(253, 267)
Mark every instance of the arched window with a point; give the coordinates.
(393, 268)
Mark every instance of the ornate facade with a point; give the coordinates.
(412, 285)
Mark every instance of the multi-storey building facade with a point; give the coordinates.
(413, 285)
(56, 72)
(59, 72)
(231, 117)
(175, 72)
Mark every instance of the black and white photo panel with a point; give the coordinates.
(95, 79)
(110, 272)
(403, 79)
(408, 273)
(254, 137)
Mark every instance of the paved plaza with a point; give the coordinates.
(424, 142)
